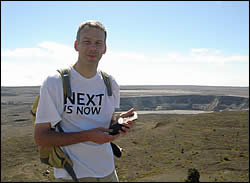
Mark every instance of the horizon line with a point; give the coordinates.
(139, 85)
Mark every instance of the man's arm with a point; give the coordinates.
(44, 136)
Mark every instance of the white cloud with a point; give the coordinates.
(30, 66)
(199, 66)
(199, 50)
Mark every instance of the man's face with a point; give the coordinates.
(91, 45)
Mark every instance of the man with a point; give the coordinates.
(86, 116)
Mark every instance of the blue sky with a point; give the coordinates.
(149, 42)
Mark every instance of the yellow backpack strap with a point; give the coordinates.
(34, 109)
(65, 160)
(107, 82)
(65, 74)
(70, 170)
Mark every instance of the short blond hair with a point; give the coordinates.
(91, 23)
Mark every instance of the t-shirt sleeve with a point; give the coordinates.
(47, 110)
(116, 93)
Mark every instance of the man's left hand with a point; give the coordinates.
(128, 124)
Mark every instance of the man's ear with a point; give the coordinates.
(105, 49)
(76, 45)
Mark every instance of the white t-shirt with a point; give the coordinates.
(89, 107)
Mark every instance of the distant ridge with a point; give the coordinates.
(20, 86)
(153, 86)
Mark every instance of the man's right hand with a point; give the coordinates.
(101, 135)
(46, 137)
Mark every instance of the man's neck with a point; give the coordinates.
(86, 70)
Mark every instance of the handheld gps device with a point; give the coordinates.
(118, 126)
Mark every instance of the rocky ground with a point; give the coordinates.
(160, 147)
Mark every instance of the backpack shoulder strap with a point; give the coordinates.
(34, 109)
(107, 82)
(65, 74)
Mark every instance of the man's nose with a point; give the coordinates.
(92, 46)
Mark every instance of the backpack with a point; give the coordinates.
(54, 156)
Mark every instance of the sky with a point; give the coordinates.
(148, 42)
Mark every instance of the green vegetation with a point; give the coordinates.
(193, 175)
